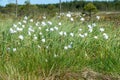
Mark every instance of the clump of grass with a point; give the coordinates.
(43, 48)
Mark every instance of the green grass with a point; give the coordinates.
(34, 59)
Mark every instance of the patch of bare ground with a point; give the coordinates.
(85, 74)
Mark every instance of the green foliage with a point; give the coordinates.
(23, 57)
(90, 8)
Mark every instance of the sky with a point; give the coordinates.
(4, 2)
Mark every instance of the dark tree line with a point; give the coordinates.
(74, 6)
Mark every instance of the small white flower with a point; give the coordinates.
(35, 38)
(102, 29)
(105, 36)
(82, 19)
(29, 33)
(37, 24)
(43, 24)
(72, 34)
(19, 23)
(98, 17)
(51, 29)
(31, 20)
(68, 15)
(59, 23)
(14, 25)
(80, 29)
(65, 34)
(40, 33)
(21, 37)
(56, 28)
(89, 26)
(69, 46)
(39, 46)
(93, 24)
(65, 47)
(90, 30)
(14, 49)
(47, 47)
(96, 37)
(81, 35)
(61, 33)
(39, 28)
(49, 22)
(25, 17)
(23, 26)
(24, 21)
(44, 17)
(43, 40)
(47, 29)
(85, 34)
(71, 19)
(55, 55)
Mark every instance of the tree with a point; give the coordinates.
(90, 8)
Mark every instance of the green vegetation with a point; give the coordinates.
(73, 6)
(90, 8)
(54, 48)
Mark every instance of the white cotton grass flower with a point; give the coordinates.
(47, 30)
(14, 49)
(43, 40)
(55, 55)
(70, 46)
(90, 30)
(82, 36)
(37, 23)
(71, 19)
(35, 37)
(23, 26)
(61, 33)
(98, 17)
(24, 21)
(31, 20)
(19, 23)
(102, 29)
(21, 37)
(12, 30)
(43, 23)
(49, 22)
(47, 47)
(85, 34)
(65, 47)
(39, 28)
(38, 46)
(56, 28)
(59, 23)
(82, 19)
(68, 15)
(40, 33)
(80, 29)
(19, 29)
(105, 36)
(44, 17)
(51, 29)
(72, 34)
(94, 24)
(14, 25)
(95, 37)
(89, 26)
(25, 17)
(65, 34)
(29, 33)
(30, 29)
